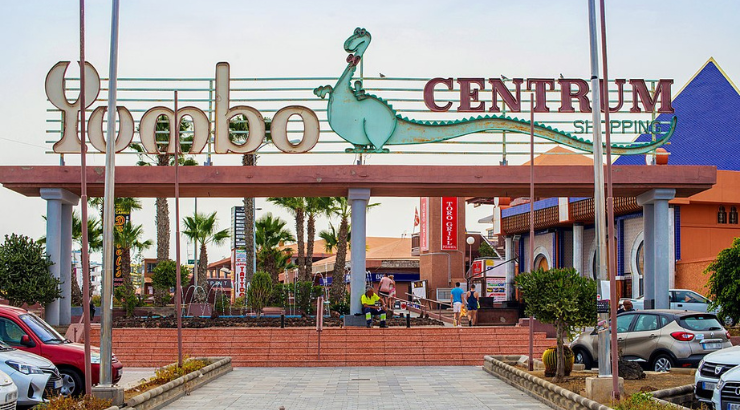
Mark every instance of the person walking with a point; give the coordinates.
(384, 288)
(456, 295)
(372, 305)
(471, 299)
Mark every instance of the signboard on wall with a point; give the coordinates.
(496, 288)
(238, 227)
(424, 225)
(449, 223)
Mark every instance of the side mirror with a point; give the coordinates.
(26, 341)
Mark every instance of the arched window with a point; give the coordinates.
(721, 215)
(733, 215)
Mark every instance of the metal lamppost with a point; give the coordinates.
(470, 241)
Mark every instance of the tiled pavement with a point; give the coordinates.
(376, 388)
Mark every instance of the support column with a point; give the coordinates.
(657, 231)
(648, 244)
(509, 252)
(59, 204)
(358, 198)
(578, 248)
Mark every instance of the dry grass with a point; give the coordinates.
(164, 375)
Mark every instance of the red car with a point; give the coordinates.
(26, 331)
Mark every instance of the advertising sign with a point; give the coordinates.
(238, 227)
(240, 272)
(477, 269)
(424, 225)
(449, 223)
(122, 217)
(496, 288)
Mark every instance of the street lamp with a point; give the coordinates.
(470, 242)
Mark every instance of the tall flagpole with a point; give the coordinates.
(83, 207)
(106, 325)
(178, 288)
(611, 246)
(599, 207)
(531, 220)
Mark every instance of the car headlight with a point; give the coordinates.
(24, 368)
(95, 358)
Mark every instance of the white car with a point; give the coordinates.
(726, 395)
(34, 376)
(8, 392)
(711, 368)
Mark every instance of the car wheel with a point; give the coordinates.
(662, 363)
(72, 382)
(580, 356)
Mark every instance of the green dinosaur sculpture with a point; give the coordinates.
(369, 123)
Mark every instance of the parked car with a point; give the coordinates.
(680, 299)
(659, 339)
(26, 331)
(35, 377)
(8, 392)
(711, 368)
(726, 395)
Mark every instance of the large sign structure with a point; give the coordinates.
(366, 121)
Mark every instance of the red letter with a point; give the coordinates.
(499, 88)
(567, 95)
(662, 91)
(467, 95)
(429, 94)
(540, 92)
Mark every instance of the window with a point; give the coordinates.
(10, 332)
(623, 323)
(646, 323)
(733, 215)
(721, 215)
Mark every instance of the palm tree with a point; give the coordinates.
(201, 228)
(297, 207)
(239, 132)
(270, 234)
(330, 238)
(314, 207)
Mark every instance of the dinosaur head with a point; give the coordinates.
(356, 45)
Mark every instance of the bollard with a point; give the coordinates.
(282, 320)
(408, 321)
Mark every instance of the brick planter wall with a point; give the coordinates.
(275, 347)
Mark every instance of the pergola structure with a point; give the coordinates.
(60, 187)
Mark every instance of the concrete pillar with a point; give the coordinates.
(657, 231)
(578, 248)
(358, 198)
(648, 274)
(59, 204)
(510, 271)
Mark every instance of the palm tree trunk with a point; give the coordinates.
(299, 233)
(249, 160)
(338, 287)
(310, 237)
(162, 219)
(202, 266)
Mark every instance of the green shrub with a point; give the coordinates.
(259, 291)
(641, 401)
(240, 302)
(24, 272)
(306, 294)
(222, 303)
(277, 297)
(96, 300)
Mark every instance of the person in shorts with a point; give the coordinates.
(471, 301)
(456, 300)
(384, 289)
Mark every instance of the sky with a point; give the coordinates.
(430, 38)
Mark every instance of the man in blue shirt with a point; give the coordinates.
(456, 300)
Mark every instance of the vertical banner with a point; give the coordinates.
(240, 272)
(122, 217)
(449, 223)
(424, 225)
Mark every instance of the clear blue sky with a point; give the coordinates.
(647, 39)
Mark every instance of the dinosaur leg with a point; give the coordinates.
(323, 91)
(359, 91)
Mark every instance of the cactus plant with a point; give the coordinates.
(550, 360)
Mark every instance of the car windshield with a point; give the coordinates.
(700, 322)
(46, 333)
(4, 347)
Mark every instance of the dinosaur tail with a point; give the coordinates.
(409, 131)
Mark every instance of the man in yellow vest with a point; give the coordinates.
(372, 305)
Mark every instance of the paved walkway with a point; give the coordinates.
(377, 388)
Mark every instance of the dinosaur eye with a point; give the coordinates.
(357, 31)
(362, 32)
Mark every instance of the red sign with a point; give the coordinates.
(476, 269)
(449, 224)
(424, 225)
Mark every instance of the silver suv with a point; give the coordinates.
(659, 339)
